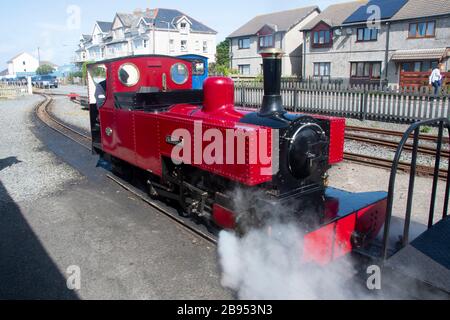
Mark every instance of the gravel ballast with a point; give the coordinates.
(70, 113)
(27, 170)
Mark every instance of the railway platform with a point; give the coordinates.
(426, 259)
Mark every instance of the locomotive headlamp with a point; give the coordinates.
(179, 73)
(129, 74)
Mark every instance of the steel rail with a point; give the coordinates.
(426, 137)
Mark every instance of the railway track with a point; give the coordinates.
(384, 163)
(45, 117)
(393, 144)
(387, 164)
(423, 137)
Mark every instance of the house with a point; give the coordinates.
(153, 31)
(280, 30)
(23, 64)
(343, 42)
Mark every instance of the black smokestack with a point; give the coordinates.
(272, 102)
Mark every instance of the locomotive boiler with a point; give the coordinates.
(231, 167)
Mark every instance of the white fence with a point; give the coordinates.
(362, 102)
(9, 91)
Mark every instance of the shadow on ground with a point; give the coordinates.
(26, 269)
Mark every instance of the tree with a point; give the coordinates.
(44, 70)
(223, 54)
(222, 65)
(84, 69)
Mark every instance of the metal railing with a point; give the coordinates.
(442, 123)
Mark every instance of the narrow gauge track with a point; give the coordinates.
(427, 137)
(387, 164)
(393, 145)
(42, 113)
(384, 163)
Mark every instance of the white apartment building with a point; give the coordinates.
(154, 31)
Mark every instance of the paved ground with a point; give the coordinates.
(124, 249)
(66, 89)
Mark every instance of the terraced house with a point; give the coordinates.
(409, 39)
(153, 31)
(276, 30)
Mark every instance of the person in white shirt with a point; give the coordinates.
(436, 79)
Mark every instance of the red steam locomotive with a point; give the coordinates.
(230, 167)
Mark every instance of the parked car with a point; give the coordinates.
(34, 80)
(47, 82)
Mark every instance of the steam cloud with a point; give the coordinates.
(266, 263)
(262, 266)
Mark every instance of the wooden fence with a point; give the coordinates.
(8, 91)
(404, 105)
(419, 79)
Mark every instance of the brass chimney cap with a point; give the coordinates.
(271, 53)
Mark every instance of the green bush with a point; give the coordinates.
(425, 129)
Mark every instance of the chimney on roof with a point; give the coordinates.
(137, 11)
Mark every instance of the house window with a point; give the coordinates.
(205, 46)
(367, 34)
(197, 45)
(244, 43)
(322, 38)
(184, 28)
(322, 69)
(419, 66)
(24, 63)
(366, 70)
(145, 43)
(244, 69)
(266, 41)
(422, 29)
(172, 45)
(184, 45)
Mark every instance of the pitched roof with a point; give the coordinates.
(283, 20)
(168, 17)
(104, 26)
(335, 14)
(18, 55)
(128, 19)
(423, 8)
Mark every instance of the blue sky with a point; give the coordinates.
(50, 24)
